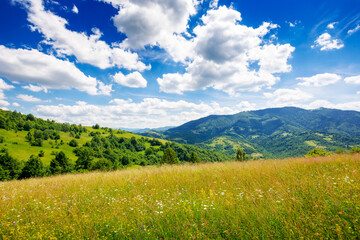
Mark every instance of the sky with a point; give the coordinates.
(156, 63)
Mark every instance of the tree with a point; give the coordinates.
(60, 164)
(84, 160)
(41, 153)
(10, 167)
(170, 156)
(96, 126)
(33, 168)
(73, 143)
(241, 155)
(194, 157)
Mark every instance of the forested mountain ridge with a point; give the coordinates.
(274, 132)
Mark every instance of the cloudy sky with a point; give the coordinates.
(155, 63)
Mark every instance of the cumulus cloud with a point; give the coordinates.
(325, 42)
(287, 97)
(125, 113)
(343, 106)
(223, 52)
(352, 31)
(4, 86)
(353, 80)
(48, 72)
(28, 98)
(331, 25)
(319, 80)
(133, 80)
(246, 106)
(86, 48)
(34, 88)
(149, 22)
(15, 104)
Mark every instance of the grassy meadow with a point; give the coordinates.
(265, 199)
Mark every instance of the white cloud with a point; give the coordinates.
(28, 98)
(293, 24)
(223, 53)
(4, 86)
(353, 80)
(331, 25)
(358, 92)
(319, 80)
(150, 112)
(352, 31)
(87, 49)
(32, 66)
(326, 42)
(75, 10)
(214, 3)
(246, 106)
(343, 106)
(287, 97)
(104, 89)
(15, 104)
(149, 22)
(133, 80)
(34, 88)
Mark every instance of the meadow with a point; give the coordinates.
(294, 198)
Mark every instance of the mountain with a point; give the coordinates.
(273, 132)
(141, 130)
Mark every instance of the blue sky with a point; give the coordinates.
(155, 63)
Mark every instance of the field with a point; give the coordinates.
(265, 199)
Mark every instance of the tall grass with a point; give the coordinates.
(272, 199)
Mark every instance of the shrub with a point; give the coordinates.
(317, 152)
(41, 153)
(73, 143)
(102, 164)
(355, 150)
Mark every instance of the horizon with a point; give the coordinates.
(152, 64)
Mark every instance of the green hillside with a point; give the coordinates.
(82, 148)
(278, 132)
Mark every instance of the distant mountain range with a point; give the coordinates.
(274, 132)
(142, 130)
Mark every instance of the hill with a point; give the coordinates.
(82, 148)
(299, 198)
(276, 132)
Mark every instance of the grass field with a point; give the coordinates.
(273, 199)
